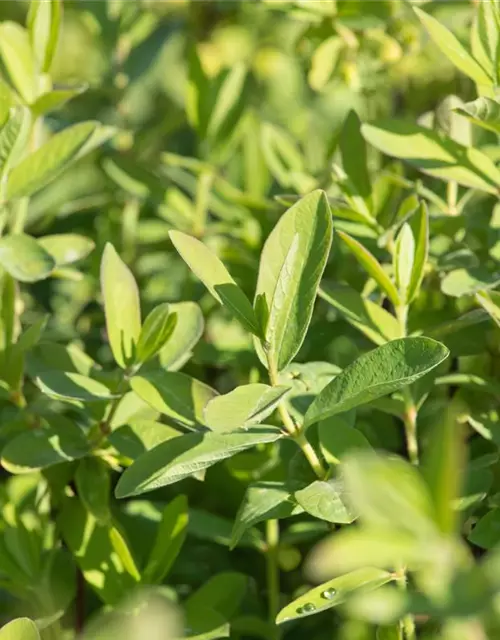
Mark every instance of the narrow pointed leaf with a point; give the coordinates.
(334, 592)
(483, 112)
(292, 263)
(44, 19)
(377, 373)
(404, 257)
(187, 331)
(121, 306)
(246, 405)
(420, 224)
(214, 275)
(13, 138)
(17, 56)
(180, 457)
(371, 266)
(157, 330)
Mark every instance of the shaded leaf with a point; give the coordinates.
(157, 329)
(72, 386)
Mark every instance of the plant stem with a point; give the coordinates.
(294, 430)
(272, 568)
(408, 622)
(410, 415)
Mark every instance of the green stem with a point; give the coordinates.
(294, 430)
(272, 568)
(410, 415)
(408, 622)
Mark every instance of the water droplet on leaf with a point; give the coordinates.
(308, 607)
(328, 594)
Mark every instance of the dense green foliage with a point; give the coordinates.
(249, 332)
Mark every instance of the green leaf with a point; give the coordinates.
(486, 532)
(354, 161)
(40, 448)
(338, 440)
(157, 329)
(206, 624)
(262, 501)
(325, 500)
(483, 112)
(214, 275)
(132, 440)
(72, 386)
(389, 492)
(466, 282)
(404, 257)
(55, 99)
(44, 19)
(187, 331)
(175, 395)
(24, 258)
(121, 306)
(17, 56)
(370, 318)
(13, 139)
(49, 161)
(291, 265)
(377, 373)
(434, 154)
(372, 266)
(490, 301)
(223, 594)
(169, 540)
(245, 406)
(180, 457)
(66, 248)
(20, 629)
(453, 49)
(485, 37)
(90, 544)
(123, 552)
(334, 592)
(229, 103)
(420, 222)
(93, 483)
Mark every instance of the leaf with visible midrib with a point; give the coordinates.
(377, 373)
(246, 405)
(180, 457)
(214, 275)
(20, 629)
(291, 265)
(45, 164)
(324, 500)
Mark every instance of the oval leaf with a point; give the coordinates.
(20, 629)
(66, 248)
(187, 331)
(377, 373)
(156, 331)
(24, 258)
(180, 457)
(324, 500)
(72, 386)
(246, 405)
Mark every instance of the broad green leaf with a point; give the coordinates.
(485, 37)
(55, 99)
(486, 532)
(66, 248)
(20, 629)
(466, 282)
(325, 500)
(262, 501)
(389, 492)
(180, 457)
(93, 483)
(434, 153)
(24, 258)
(377, 373)
(214, 275)
(44, 19)
(141, 435)
(420, 223)
(223, 593)
(404, 260)
(72, 386)
(453, 49)
(121, 306)
(91, 546)
(175, 395)
(169, 540)
(48, 356)
(62, 441)
(370, 318)
(334, 592)
(49, 161)
(17, 57)
(243, 407)
(372, 266)
(13, 139)
(157, 329)
(483, 112)
(490, 301)
(187, 331)
(291, 265)
(337, 440)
